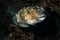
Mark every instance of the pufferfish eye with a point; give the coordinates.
(29, 16)
(29, 11)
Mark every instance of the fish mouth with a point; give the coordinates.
(39, 19)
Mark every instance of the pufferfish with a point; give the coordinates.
(29, 16)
